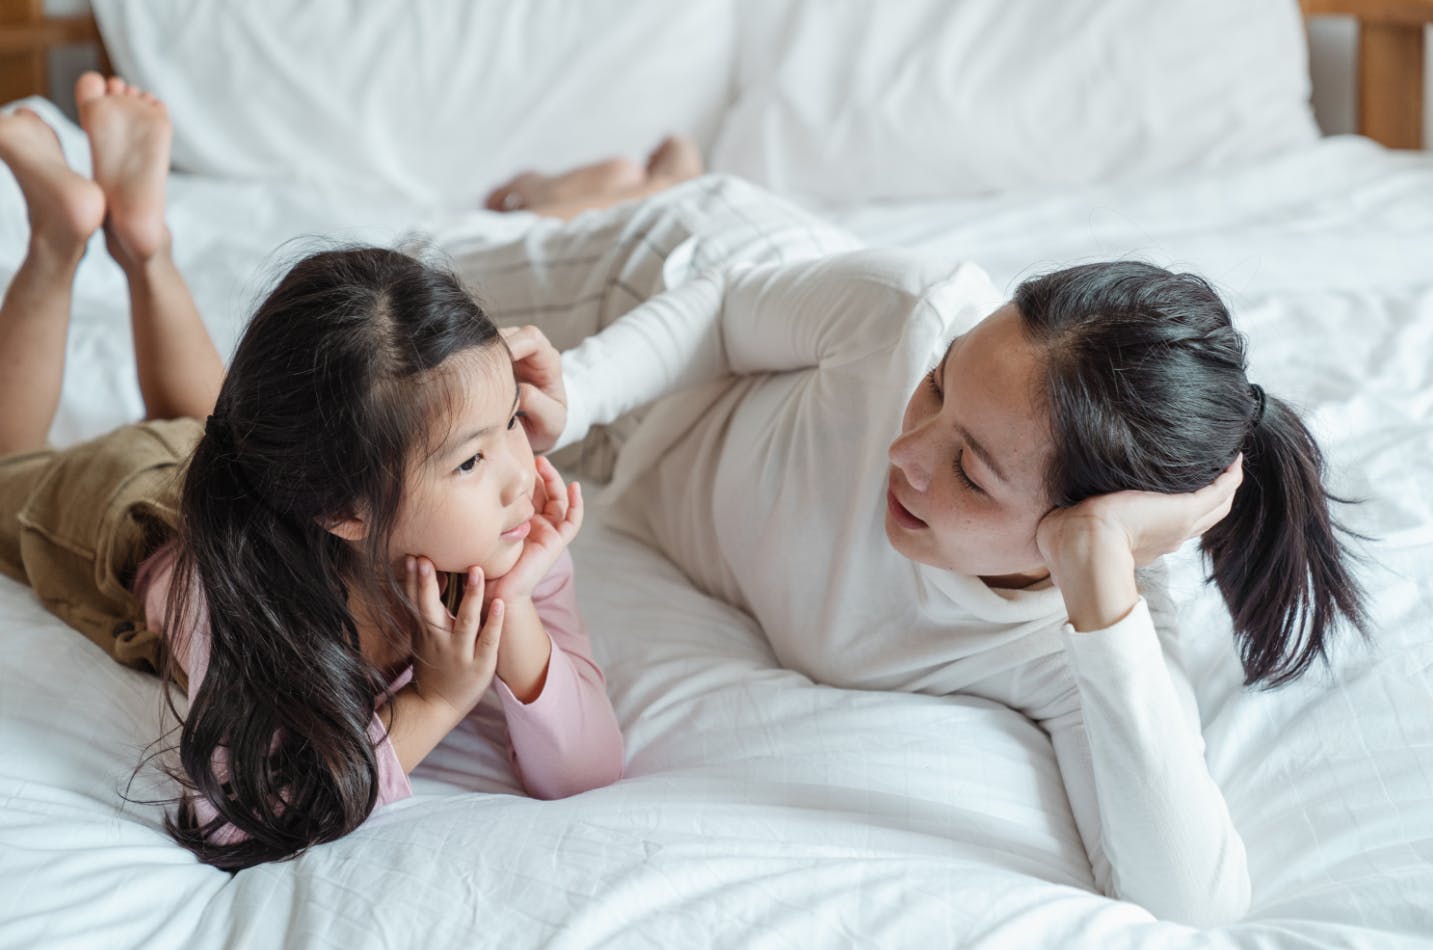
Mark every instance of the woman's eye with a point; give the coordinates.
(513, 421)
(471, 463)
(934, 385)
(961, 474)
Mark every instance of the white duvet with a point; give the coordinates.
(760, 809)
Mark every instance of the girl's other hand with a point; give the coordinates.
(542, 399)
(556, 523)
(455, 657)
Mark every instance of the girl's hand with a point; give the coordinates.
(454, 660)
(1093, 548)
(542, 398)
(556, 523)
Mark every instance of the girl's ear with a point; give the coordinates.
(352, 527)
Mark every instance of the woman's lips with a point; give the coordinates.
(518, 533)
(901, 513)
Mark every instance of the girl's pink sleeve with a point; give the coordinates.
(567, 739)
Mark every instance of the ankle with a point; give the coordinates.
(141, 262)
(56, 252)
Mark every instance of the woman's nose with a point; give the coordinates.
(906, 454)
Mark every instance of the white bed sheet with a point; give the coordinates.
(761, 809)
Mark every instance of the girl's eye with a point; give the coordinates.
(513, 421)
(471, 463)
(964, 478)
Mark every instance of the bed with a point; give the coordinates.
(761, 809)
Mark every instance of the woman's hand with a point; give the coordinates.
(1093, 548)
(542, 398)
(554, 525)
(455, 660)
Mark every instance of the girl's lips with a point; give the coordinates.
(900, 513)
(518, 533)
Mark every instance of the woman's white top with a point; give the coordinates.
(764, 480)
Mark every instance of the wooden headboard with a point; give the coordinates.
(1390, 57)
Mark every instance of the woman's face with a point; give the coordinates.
(965, 491)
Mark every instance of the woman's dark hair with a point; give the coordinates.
(329, 399)
(1146, 386)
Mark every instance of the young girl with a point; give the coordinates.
(902, 510)
(287, 557)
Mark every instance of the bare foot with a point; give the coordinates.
(675, 159)
(129, 134)
(65, 207)
(532, 191)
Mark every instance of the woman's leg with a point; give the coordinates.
(601, 184)
(64, 209)
(180, 371)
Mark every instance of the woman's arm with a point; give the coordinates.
(1131, 755)
(1131, 752)
(768, 318)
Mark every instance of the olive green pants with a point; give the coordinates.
(76, 523)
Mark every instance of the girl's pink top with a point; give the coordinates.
(563, 742)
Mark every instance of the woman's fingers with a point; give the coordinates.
(543, 417)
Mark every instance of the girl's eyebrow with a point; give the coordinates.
(454, 445)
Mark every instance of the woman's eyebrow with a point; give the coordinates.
(974, 445)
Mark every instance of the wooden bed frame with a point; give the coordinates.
(1390, 57)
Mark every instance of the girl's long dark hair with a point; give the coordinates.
(1147, 390)
(329, 398)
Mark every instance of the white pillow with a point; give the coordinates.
(847, 100)
(440, 100)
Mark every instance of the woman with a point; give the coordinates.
(900, 510)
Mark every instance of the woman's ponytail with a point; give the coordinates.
(1147, 387)
(1277, 558)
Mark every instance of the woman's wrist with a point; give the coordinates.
(1093, 567)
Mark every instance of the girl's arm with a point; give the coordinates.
(565, 738)
(1131, 752)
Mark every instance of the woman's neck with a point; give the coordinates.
(1016, 581)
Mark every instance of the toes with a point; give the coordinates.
(89, 86)
(115, 86)
(511, 195)
(497, 199)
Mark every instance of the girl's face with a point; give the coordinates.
(965, 491)
(469, 502)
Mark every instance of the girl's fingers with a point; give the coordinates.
(485, 652)
(575, 510)
(430, 599)
(470, 611)
(557, 501)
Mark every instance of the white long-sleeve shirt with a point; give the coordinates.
(764, 480)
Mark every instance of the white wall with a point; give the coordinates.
(1332, 50)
